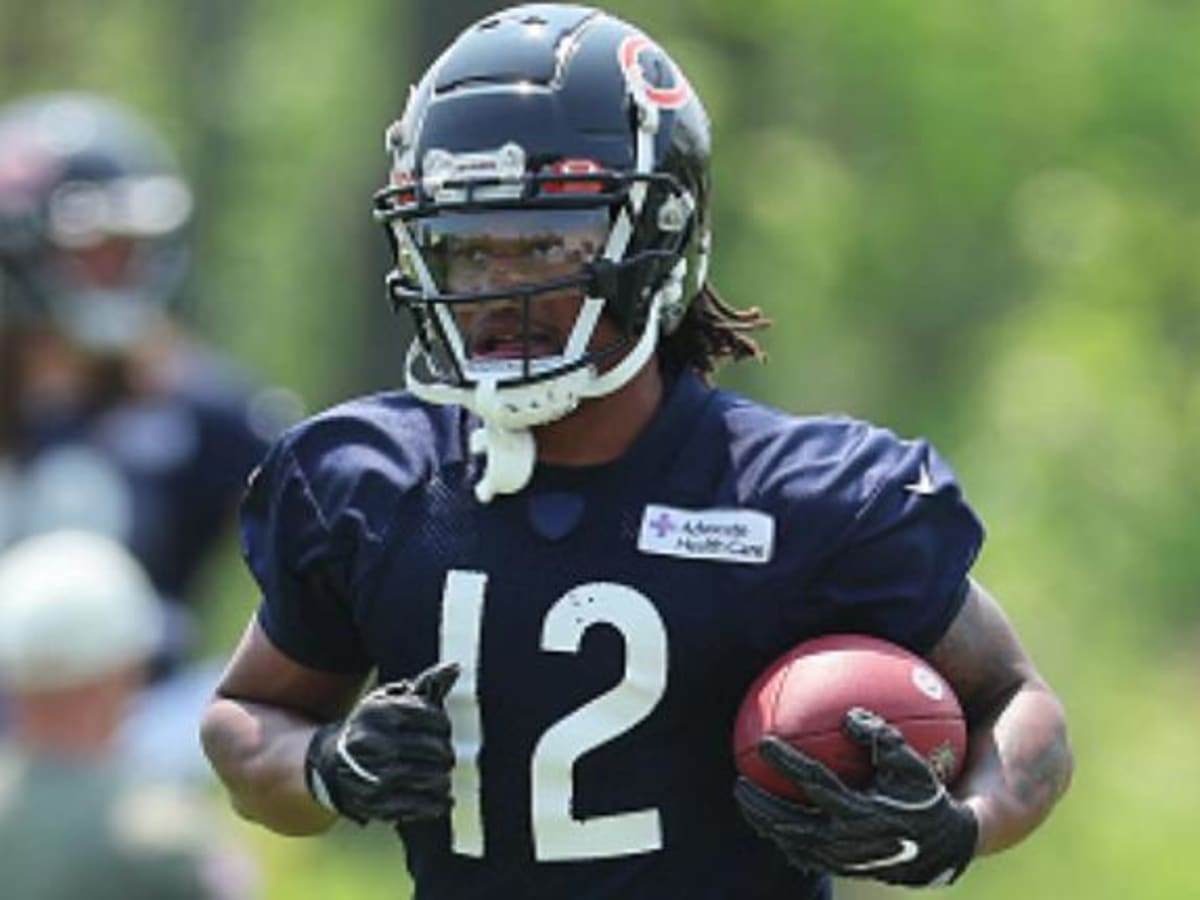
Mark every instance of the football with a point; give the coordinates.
(803, 697)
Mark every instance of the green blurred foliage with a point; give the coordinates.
(977, 222)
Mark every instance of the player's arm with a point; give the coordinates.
(1018, 760)
(295, 747)
(257, 729)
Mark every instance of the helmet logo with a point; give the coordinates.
(647, 67)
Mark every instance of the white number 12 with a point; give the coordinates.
(557, 834)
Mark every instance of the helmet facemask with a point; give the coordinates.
(478, 276)
(493, 242)
(499, 278)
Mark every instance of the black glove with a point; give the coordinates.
(390, 759)
(905, 828)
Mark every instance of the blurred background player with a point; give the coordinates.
(111, 419)
(78, 623)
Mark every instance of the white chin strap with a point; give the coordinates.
(508, 412)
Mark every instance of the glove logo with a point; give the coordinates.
(908, 851)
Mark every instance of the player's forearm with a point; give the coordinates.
(258, 752)
(1019, 763)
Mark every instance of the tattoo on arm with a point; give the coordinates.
(1019, 759)
(1041, 780)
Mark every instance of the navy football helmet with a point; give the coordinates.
(564, 139)
(92, 219)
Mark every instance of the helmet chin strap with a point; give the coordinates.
(508, 453)
(508, 413)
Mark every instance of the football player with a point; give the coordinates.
(110, 419)
(78, 620)
(565, 555)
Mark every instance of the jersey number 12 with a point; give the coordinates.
(557, 835)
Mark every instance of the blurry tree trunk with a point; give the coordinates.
(206, 36)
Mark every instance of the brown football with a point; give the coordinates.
(803, 697)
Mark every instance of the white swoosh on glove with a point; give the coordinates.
(909, 850)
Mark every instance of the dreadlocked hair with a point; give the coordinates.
(711, 333)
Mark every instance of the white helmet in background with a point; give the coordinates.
(74, 606)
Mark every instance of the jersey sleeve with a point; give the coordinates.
(899, 567)
(301, 569)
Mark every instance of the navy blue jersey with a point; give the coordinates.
(608, 619)
(161, 472)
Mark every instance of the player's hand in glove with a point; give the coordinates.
(390, 758)
(905, 828)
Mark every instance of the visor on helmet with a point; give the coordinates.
(503, 254)
(83, 213)
(495, 288)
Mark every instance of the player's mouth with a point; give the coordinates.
(502, 337)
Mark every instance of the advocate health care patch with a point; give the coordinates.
(724, 535)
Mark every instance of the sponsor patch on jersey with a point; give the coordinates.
(725, 535)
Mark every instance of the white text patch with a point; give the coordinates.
(728, 535)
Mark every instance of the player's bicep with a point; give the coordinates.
(981, 655)
(259, 672)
